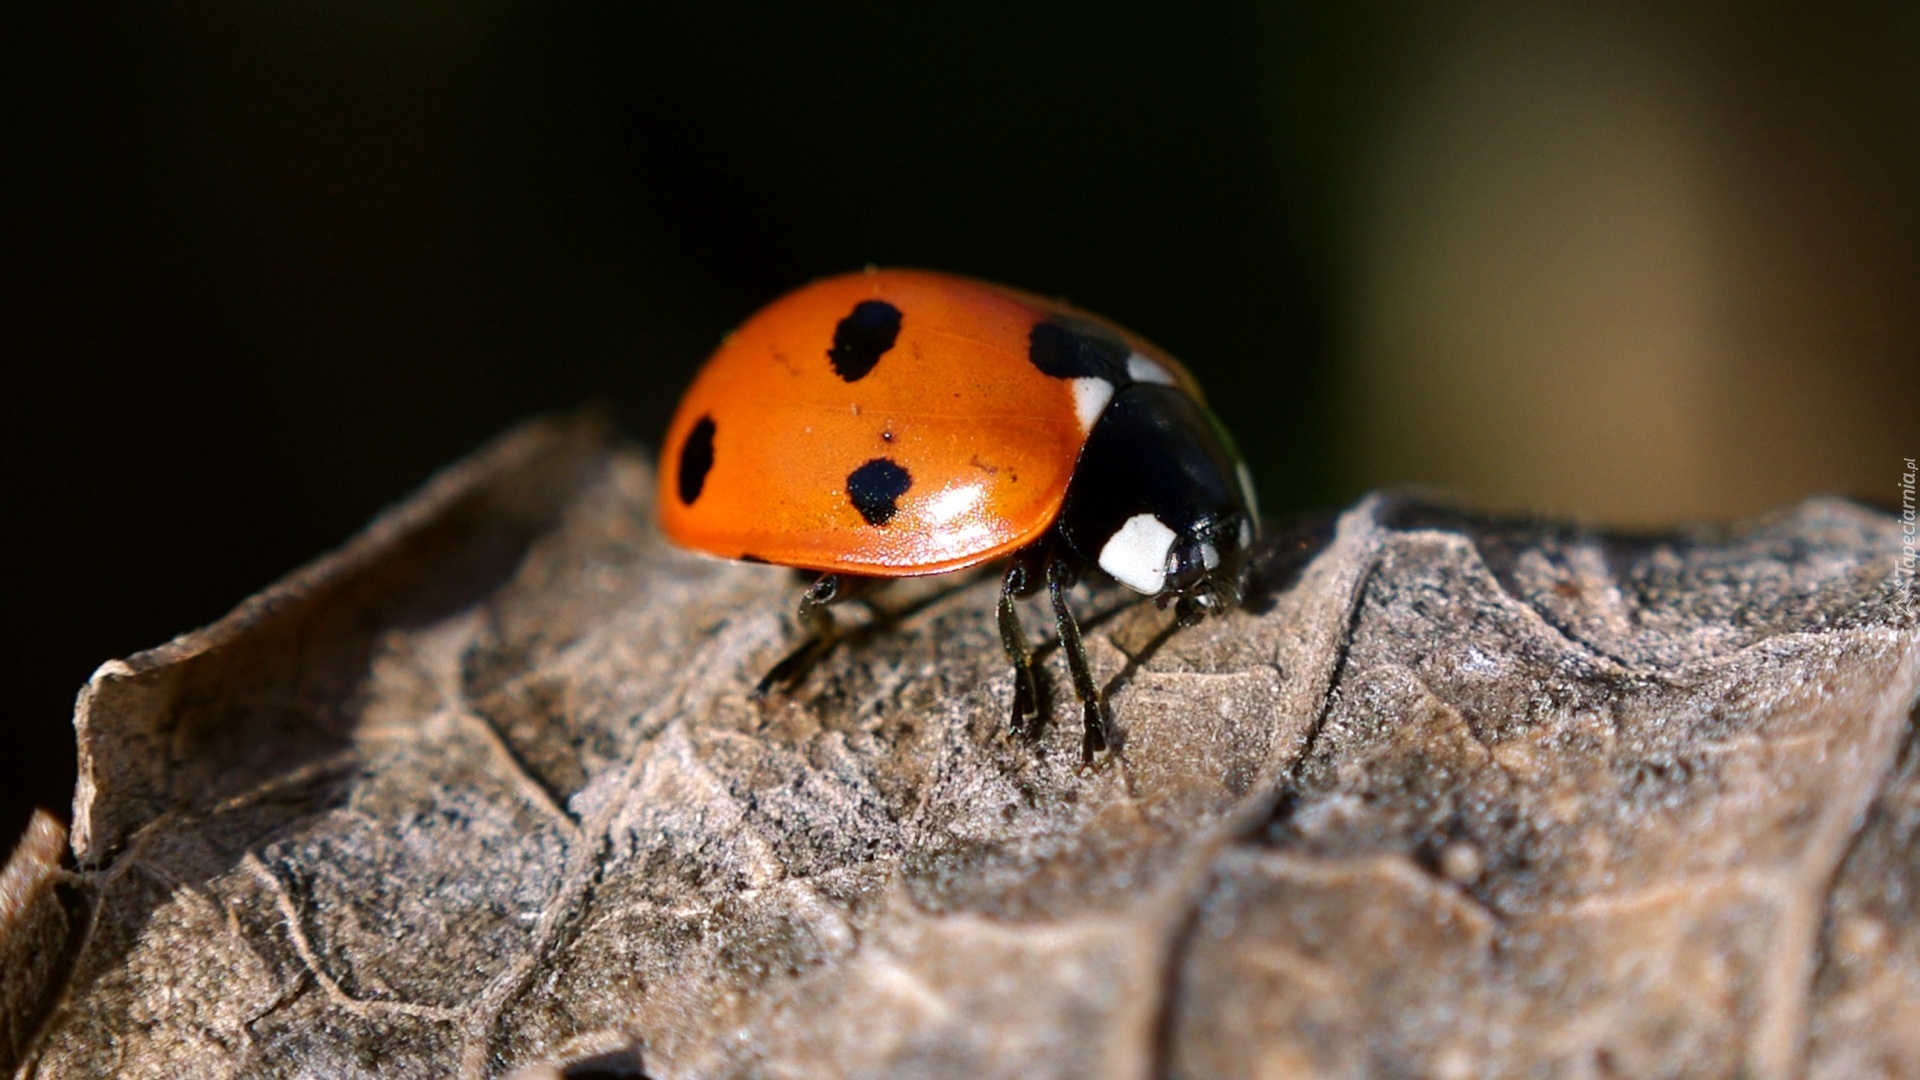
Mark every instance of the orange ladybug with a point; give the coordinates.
(899, 423)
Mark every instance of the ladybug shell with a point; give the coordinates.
(890, 423)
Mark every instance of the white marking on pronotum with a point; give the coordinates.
(1210, 556)
(1141, 369)
(1136, 555)
(1090, 397)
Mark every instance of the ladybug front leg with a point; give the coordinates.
(1060, 577)
(814, 615)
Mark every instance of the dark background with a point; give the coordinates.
(263, 267)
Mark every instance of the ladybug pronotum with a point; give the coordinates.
(900, 423)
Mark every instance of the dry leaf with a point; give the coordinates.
(483, 793)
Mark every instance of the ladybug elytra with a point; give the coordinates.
(900, 423)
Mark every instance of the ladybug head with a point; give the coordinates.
(1162, 503)
(1205, 567)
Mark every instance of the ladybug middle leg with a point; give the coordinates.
(1023, 578)
(1019, 581)
(822, 634)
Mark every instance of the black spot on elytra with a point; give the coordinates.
(863, 337)
(875, 489)
(696, 460)
(1077, 352)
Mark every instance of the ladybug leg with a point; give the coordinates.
(1013, 636)
(822, 633)
(1060, 577)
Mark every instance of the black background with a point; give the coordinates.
(266, 266)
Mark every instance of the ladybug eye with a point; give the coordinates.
(1189, 563)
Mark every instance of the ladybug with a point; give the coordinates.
(899, 423)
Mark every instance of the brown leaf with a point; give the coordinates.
(484, 793)
(35, 924)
